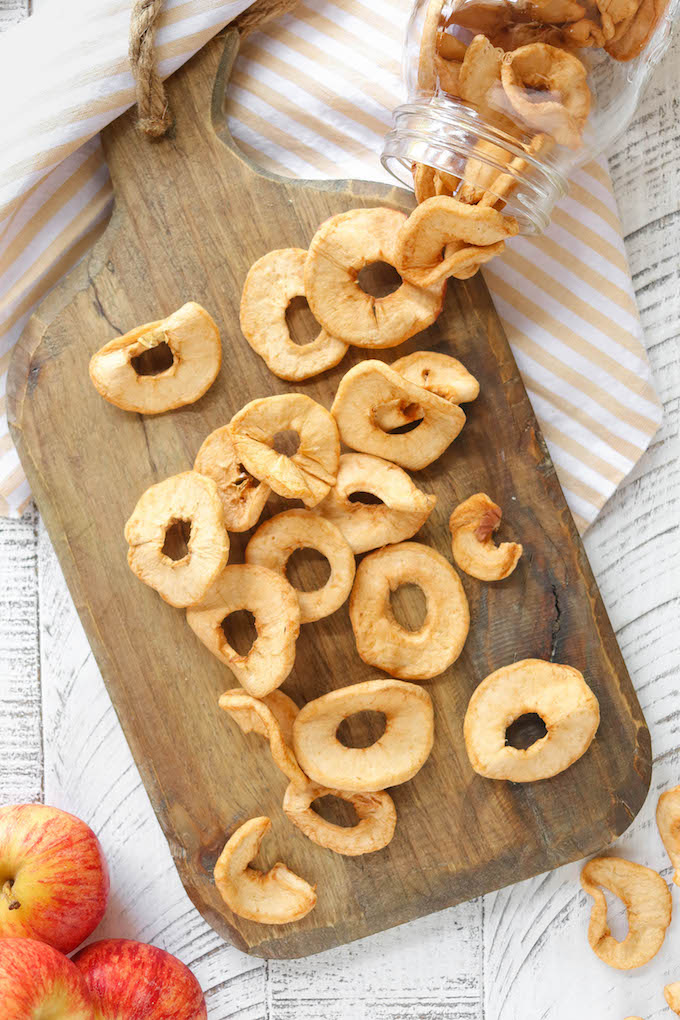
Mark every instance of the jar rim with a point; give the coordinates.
(439, 134)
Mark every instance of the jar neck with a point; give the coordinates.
(444, 134)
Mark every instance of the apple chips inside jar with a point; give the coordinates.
(507, 97)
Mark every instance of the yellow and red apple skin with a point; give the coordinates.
(38, 981)
(52, 866)
(130, 980)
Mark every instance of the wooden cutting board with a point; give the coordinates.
(191, 216)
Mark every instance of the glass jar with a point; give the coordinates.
(507, 97)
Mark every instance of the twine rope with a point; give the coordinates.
(154, 115)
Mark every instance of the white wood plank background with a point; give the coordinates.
(520, 954)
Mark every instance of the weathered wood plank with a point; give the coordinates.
(21, 751)
(89, 770)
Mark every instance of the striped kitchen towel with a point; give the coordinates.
(312, 96)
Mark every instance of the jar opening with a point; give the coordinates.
(447, 137)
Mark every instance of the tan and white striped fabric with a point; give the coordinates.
(312, 96)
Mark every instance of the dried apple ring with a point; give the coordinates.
(648, 902)
(441, 221)
(440, 374)
(372, 387)
(632, 34)
(306, 474)
(381, 641)
(277, 539)
(273, 603)
(188, 499)
(269, 717)
(423, 181)
(671, 994)
(271, 284)
(395, 758)
(558, 78)
(340, 249)
(427, 78)
(277, 896)
(376, 813)
(243, 496)
(558, 694)
(472, 525)
(402, 510)
(193, 340)
(668, 823)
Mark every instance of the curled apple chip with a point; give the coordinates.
(243, 496)
(343, 246)
(394, 758)
(306, 474)
(668, 822)
(271, 284)
(399, 511)
(558, 694)
(277, 896)
(647, 900)
(274, 605)
(191, 340)
(271, 717)
(372, 388)
(671, 994)
(441, 374)
(382, 641)
(547, 87)
(481, 171)
(376, 813)
(423, 181)
(442, 221)
(187, 501)
(632, 33)
(277, 539)
(472, 525)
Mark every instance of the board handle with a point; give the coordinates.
(197, 92)
(218, 105)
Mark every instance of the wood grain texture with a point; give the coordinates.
(182, 229)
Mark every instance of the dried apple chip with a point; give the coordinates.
(648, 902)
(277, 539)
(441, 221)
(377, 819)
(187, 500)
(472, 525)
(547, 87)
(556, 693)
(243, 496)
(372, 385)
(271, 284)
(394, 758)
(382, 641)
(398, 511)
(343, 246)
(192, 340)
(277, 896)
(306, 474)
(668, 823)
(273, 603)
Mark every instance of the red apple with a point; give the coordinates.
(54, 882)
(132, 981)
(37, 981)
